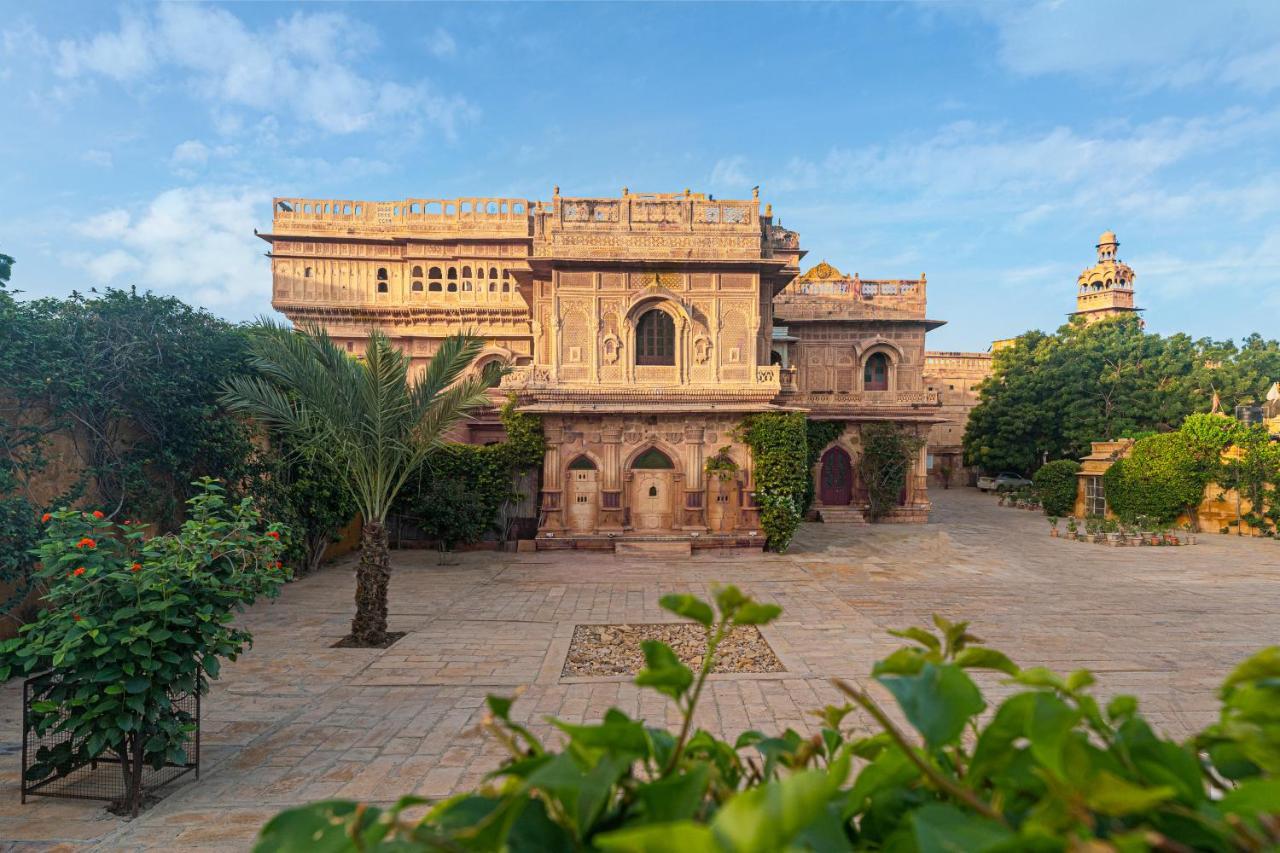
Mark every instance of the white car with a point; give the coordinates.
(1002, 482)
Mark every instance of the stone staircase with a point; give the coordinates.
(840, 515)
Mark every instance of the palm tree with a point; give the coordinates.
(367, 419)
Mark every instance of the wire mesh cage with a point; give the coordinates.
(52, 766)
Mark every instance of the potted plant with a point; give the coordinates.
(1072, 527)
(1191, 533)
(1112, 530)
(1053, 526)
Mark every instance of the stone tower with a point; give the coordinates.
(1106, 288)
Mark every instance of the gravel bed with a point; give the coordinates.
(601, 650)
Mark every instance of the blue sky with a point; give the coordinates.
(987, 144)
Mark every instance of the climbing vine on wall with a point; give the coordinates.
(1163, 477)
(780, 453)
(887, 454)
(818, 434)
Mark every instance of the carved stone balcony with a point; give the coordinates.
(491, 217)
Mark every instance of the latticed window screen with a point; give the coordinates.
(656, 338)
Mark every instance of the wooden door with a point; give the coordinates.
(584, 497)
(722, 505)
(651, 500)
(836, 480)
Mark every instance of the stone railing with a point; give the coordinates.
(539, 377)
(491, 216)
(867, 398)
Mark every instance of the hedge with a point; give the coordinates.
(1056, 485)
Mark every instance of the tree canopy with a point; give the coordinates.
(1050, 395)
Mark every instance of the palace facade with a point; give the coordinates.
(642, 329)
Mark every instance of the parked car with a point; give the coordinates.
(1002, 482)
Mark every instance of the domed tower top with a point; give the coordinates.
(1106, 288)
(1107, 246)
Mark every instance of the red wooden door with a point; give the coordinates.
(837, 478)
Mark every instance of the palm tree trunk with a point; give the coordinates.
(369, 626)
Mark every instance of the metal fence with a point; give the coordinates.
(50, 768)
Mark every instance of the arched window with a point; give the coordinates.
(466, 285)
(382, 287)
(417, 272)
(453, 287)
(466, 272)
(875, 373)
(306, 273)
(653, 459)
(417, 287)
(493, 272)
(656, 338)
(493, 287)
(506, 287)
(382, 273)
(434, 287)
(434, 272)
(453, 273)
(775, 357)
(582, 463)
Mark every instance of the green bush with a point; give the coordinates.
(888, 453)
(780, 453)
(1051, 769)
(1162, 478)
(131, 622)
(1056, 485)
(457, 495)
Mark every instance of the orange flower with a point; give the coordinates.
(44, 519)
(136, 567)
(78, 572)
(273, 534)
(86, 543)
(279, 565)
(97, 513)
(75, 616)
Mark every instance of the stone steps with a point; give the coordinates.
(841, 515)
(653, 548)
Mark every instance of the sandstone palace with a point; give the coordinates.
(642, 329)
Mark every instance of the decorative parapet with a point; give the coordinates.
(663, 226)
(866, 399)
(538, 378)
(493, 217)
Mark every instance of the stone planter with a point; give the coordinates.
(1114, 539)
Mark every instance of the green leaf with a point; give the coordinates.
(908, 660)
(689, 607)
(767, 818)
(137, 685)
(753, 613)
(685, 836)
(1112, 795)
(976, 657)
(729, 599)
(921, 636)
(663, 672)
(942, 828)
(1049, 725)
(324, 827)
(1121, 707)
(937, 701)
(674, 798)
(1264, 664)
(1252, 798)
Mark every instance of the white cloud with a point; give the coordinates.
(728, 173)
(122, 55)
(196, 243)
(98, 158)
(1141, 44)
(193, 152)
(441, 44)
(306, 66)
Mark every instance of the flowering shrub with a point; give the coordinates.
(1050, 769)
(133, 621)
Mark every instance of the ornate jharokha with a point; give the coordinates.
(642, 329)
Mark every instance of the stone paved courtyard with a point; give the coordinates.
(296, 720)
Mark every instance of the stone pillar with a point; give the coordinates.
(552, 482)
(695, 490)
(611, 481)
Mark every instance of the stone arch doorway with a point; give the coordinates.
(835, 483)
(584, 495)
(652, 491)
